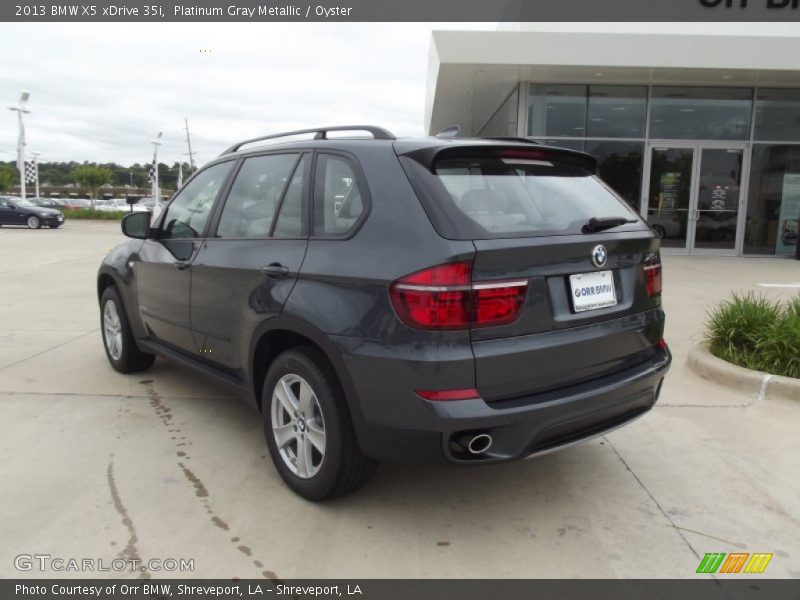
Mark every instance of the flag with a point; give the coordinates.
(180, 175)
(30, 172)
(151, 176)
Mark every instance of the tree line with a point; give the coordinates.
(91, 176)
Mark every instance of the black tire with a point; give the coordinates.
(344, 468)
(130, 359)
(659, 231)
(33, 222)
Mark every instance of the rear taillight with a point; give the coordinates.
(445, 297)
(651, 265)
(436, 298)
(497, 303)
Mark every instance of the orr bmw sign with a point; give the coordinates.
(770, 4)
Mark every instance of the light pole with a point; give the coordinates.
(20, 110)
(156, 143)
(189, 143)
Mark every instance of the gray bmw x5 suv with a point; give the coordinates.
(463, 301)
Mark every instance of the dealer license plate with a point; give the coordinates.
(591, 291)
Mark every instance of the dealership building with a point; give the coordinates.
(698, 130)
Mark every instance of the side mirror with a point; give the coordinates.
(136, 225)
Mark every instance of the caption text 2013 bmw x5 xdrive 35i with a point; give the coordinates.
(454, 300)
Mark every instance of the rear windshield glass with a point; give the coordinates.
(493, 197)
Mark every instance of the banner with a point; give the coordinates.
(703, 588)
(153, 11)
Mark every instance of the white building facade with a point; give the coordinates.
(695, 125)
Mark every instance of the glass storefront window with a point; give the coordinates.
(778, 115)
(597, 118)
(700, 113)
(773, 204)
(620, 165)
(557, 110)
(617, 111)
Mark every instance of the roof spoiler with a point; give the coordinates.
(429, 155)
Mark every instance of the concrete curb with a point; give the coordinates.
(755, 383)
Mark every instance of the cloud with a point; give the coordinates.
(101, 92)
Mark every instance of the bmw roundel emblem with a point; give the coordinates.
(599, 256)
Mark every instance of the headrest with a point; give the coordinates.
(483, 201)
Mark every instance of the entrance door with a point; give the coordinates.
(693, 196)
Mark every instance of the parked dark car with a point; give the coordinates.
(45, 203)
(423, 300)
(19, 211)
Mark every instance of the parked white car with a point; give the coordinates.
(118, 204)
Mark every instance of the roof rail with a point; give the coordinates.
(320, 133)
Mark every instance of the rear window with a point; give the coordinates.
(501, 197)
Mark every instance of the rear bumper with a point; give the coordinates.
(425, 432)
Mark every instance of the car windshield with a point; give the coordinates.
(24, 202)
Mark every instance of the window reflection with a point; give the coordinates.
(557, 110)
(773, 204)
(778, 115)
(697, 113)
(617, 111)
(718, 198)
(620, 165)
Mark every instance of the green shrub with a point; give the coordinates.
(757, 333)
(88, 213)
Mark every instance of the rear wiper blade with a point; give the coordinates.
(594, 225)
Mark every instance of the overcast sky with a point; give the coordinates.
(102, 92)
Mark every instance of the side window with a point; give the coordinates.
(290, 219)
(255, 196)
(188, 213)
(338, 201)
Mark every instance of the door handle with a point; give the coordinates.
(182, 264)
(274, 270)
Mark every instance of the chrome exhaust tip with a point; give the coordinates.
(479, 444)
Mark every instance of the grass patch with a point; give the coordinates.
(97, 215)
(757, 333)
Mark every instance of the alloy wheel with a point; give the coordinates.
(112, 329)
(298, 426)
